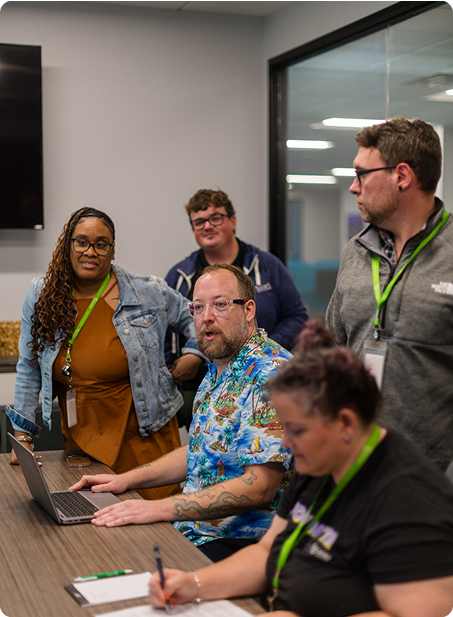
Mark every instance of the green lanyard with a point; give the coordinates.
(380, 299)
(66, 370)
(303, 528)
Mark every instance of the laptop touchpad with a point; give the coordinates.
(100, 500)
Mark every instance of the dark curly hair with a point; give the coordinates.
(205, 198)
(55, 313)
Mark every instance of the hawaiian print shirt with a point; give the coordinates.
(235, 425)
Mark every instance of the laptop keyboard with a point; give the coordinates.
(72, 504)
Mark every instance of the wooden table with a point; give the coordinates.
(38, 557)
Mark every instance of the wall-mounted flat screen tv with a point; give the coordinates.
(21, 168)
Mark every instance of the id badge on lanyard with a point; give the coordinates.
(375, 350)
(374, 359)
(71, 407)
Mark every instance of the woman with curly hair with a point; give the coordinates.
(93, 335)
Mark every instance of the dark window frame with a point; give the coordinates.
(278, 66)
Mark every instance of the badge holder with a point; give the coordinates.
(374, 353)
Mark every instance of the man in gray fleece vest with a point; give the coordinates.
(393, 300)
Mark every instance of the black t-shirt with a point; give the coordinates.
(392, 524)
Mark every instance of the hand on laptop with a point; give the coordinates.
(128, 512)
(102, 483)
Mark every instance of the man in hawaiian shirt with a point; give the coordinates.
(234, 466)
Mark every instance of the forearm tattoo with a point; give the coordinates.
(249, 480)
(224, 504)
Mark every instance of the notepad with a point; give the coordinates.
(217, 608)
(114, 589)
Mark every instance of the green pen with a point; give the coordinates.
(93, 577)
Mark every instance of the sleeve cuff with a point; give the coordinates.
(20, 423)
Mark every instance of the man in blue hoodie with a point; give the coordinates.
(279, 309)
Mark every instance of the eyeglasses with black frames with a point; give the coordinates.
(102, 249)
(215, 219)
(218, 307)
(361, 172)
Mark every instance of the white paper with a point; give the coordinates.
(218, 608)
(115, 589)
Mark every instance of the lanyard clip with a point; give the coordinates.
(377, 325)
(66, 370)
(271, 599)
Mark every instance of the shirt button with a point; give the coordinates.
(135, 358)
(139, 383)
(126, 331)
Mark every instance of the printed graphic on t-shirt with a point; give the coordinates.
(324, 535)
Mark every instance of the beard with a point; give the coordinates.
(223, 346)
(374, 218)
(379, 210)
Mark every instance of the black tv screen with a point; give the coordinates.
(21, 177)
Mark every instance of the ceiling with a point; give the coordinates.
(257, 9)
(386, 74)
(353, 80)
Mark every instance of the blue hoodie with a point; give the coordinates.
(279, 309)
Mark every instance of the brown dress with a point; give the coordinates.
(107, 427)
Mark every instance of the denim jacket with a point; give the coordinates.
(147, 307)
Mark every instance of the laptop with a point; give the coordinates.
(66, 507)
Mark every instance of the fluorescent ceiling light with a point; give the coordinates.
(297, 179)
(353, 123)
(307, 144)
(344, 172)
(446, 96)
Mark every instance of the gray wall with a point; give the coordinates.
(143, 107)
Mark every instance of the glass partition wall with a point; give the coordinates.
(321, 96)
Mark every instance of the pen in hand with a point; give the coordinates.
(161, 574)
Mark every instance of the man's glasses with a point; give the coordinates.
(361, 172)
(215, 219)
(218, 307)
(100, 248)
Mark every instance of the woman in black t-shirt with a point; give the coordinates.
(365, 527)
